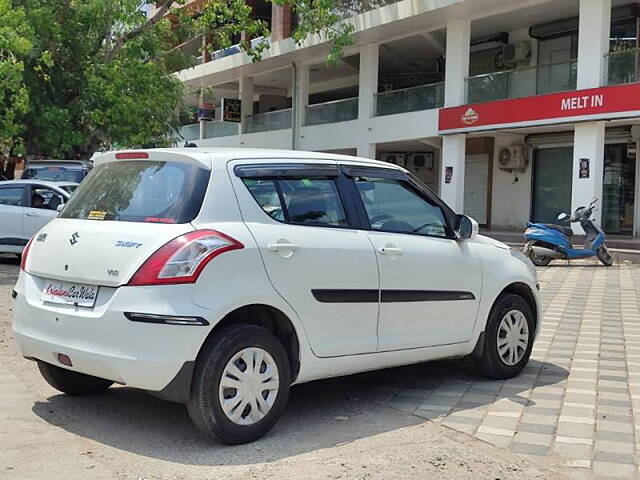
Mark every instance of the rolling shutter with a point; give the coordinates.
(476, 187)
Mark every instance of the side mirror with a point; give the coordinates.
(466, 227)
(60, 207)
(562, 216)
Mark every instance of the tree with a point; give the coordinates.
(15, 44)
(99, 73)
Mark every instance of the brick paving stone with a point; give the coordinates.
(578, 399)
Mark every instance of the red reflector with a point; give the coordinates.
(129, 155)
(65, 360)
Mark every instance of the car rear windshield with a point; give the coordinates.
(56, 173)
(140, 191)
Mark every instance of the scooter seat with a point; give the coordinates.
(564, 230)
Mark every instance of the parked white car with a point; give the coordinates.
(25, 207)
(220, 277)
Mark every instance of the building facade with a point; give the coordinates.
(512, 111)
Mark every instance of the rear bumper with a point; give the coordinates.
(102, 342)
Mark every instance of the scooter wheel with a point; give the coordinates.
(539, 260)
(604, 256)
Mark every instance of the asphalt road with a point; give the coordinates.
(331, 430)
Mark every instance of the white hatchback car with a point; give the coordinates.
(220, 277)
(25, 207)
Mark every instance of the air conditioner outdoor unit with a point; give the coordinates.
(513, 158)
(518, 53)
(395, 158)
(417, 161)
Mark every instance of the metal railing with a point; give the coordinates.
(422, 97)
(331, 112)
(220, 129)
(268, 121)
(522, 82)
(622, 66)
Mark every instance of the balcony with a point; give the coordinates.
(190, 132)
(622, 66)
(220, 129)
(331, 112)
(522, 82)
(422, 97)
(268, 121)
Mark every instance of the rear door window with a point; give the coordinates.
(140, 191)
(306, 201)
(12, 196)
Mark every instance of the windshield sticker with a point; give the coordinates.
(159, 220)
(306, 182)
(97, 215)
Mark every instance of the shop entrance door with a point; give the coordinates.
(618, 188)
(552, 170)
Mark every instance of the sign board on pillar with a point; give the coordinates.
(448, 174)
(619, 101)
(584, 168)
(206, 112)
(231, 110)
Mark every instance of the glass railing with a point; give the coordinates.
(331, 112)
(522, 82)
(265, 122)
(190, 132)
(220, 129)
(622, 66)
(423, 97)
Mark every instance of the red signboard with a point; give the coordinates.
(579, 105)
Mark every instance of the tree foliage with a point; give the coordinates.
(81, 75)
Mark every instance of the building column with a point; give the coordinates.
(280, 22)
(246, 100)
(300, 100)
(454, 146)
(367, 88)
(588, 143)
(588, 148)
(452, 172)
(593, 42)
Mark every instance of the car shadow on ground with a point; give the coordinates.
(319, 415)
(9, 269)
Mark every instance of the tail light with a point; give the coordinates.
(183, 258)
(25, 252)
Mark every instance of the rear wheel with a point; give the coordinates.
(240, 385)
(72, 383)
(604, 256)
(508, 337)
(539, 260)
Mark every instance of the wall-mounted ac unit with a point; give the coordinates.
(418, 161)
(513, 158)
(395, 158)
(518, 53)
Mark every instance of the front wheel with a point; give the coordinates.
(604, 256)
(509, 337)
(240, 384)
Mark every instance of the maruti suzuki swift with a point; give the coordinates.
(218, 278)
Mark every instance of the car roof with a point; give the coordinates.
(35, 181)
(217, 154)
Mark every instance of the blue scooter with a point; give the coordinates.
(546, 241)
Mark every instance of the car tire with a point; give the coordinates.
(72, 383)
(214, 382)
(509, 336)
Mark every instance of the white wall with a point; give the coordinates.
(510, 200)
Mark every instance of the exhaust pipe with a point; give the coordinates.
(546, 252)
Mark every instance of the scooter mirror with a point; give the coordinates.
(562, 216)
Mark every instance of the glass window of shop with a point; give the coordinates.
(618, 188)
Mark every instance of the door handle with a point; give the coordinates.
(390, 251)
(31, 214)
(276, 247)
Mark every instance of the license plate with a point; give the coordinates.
(66, 293)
